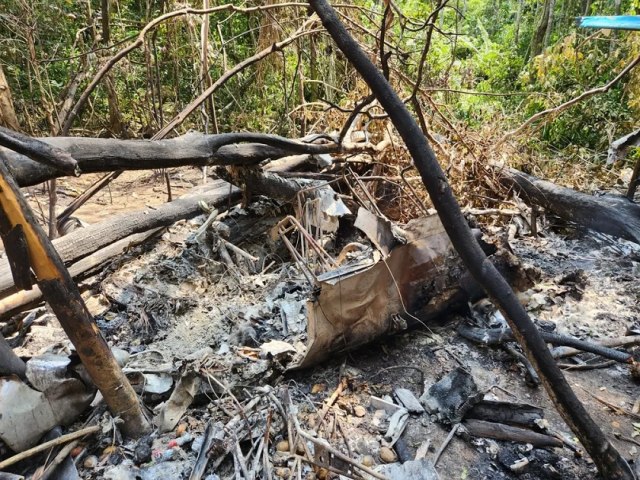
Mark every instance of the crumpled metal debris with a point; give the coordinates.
(451, 397)
(355, 307)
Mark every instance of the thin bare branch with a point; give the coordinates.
(555, 111)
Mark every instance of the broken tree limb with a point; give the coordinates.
(39, 151)
(627, 341)
(64, 299)
(109, 154)
(47, 445)
(610, 214)
(618, 148)
(18, 301)
(498, 336)
(499, 431)
(605, 456)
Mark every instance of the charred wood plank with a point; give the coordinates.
(506, 412)
(499, 431)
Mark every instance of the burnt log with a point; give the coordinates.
(85, 241)
(193, 149)
(611, 214)
(23, 299)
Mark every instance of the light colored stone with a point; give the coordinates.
(359, 411)
(90, 462)
(387, 455)
(282, 446)
(368, 461)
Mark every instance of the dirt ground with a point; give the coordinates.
(171, 296)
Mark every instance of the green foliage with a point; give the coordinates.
(477, 46)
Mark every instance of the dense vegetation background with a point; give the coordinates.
(488, 66)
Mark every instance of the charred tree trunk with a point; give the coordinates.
(195, 149)
(64, 299)
(603, 453)
(611, 214)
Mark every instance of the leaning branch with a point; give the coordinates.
(555, 111)
(276, 47)
(603, 453)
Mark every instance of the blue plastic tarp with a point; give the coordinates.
(622, 22)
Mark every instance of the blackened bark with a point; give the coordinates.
(605, 456)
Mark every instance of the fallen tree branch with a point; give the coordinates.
(610, 214)
(51, 443)
(196, 149)
(629, 340)
(497, 336)
(40, 151)
(499, 431)
(88, 240)
(603, 453)
(555, 111)
(139, 41)
(21, 300)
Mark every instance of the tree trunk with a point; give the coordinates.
(608, 460)
(518, 21)
(85, 241)
(23, 299)
(610, 214)
(537, 42)
(106, 32)
(7, 113)
(549, 27)
(106, 155)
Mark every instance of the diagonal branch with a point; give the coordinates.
(140, 41)
(605, 456)
(276, 47)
